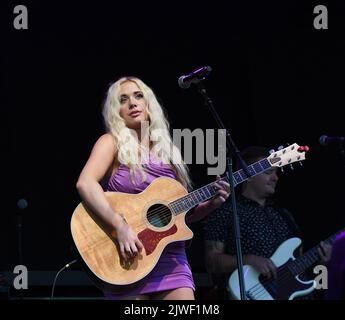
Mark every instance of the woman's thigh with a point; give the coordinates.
(175, 294)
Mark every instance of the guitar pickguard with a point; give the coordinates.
(150, 238)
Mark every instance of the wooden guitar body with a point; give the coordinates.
(149, 215)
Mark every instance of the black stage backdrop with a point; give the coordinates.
(275, 80)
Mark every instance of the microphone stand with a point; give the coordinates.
(232, 150)
(19, 244)
(21, 206)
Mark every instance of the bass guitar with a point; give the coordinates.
(287, 285)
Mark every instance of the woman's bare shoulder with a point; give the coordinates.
(107, 140)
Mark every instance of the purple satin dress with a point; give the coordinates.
(172, 269)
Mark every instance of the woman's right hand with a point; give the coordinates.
(128, 241)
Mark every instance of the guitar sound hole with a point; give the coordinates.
(159, 215)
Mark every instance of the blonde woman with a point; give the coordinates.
(129, 159)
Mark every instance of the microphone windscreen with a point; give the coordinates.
(22, 204)
(323, 140)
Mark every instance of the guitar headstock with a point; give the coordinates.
(288, 155)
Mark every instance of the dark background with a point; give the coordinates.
(275, 80)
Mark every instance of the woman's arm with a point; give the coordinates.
(200, 212)
(205, 208)
(88, 185)
(90, 190)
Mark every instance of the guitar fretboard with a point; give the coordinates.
(202, 194)
(302, 263)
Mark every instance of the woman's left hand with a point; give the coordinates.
(223, 193)
(205, 208)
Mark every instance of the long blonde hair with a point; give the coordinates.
(128, 146)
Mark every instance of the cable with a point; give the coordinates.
(63, 268)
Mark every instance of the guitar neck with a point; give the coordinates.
(207, 192)
(305, 261)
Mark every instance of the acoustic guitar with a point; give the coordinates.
(157, 215)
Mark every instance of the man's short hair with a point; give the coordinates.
(252, 154)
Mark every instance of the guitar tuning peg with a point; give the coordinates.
(287, 144)
(281, 170)
(292, 167)
(280, 147)
(300, 163)
(271, 151)
(303, 149)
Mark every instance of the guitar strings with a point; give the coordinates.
(259, 290)
(225, 178)
(260, 287)
(284, 277)
(164, 212)
(286, 272)
(158, 215)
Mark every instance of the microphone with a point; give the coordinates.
(196, 76)
(325, 140)
(22, 204)
(57, 274)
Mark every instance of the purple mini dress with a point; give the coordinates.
(172, 269)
